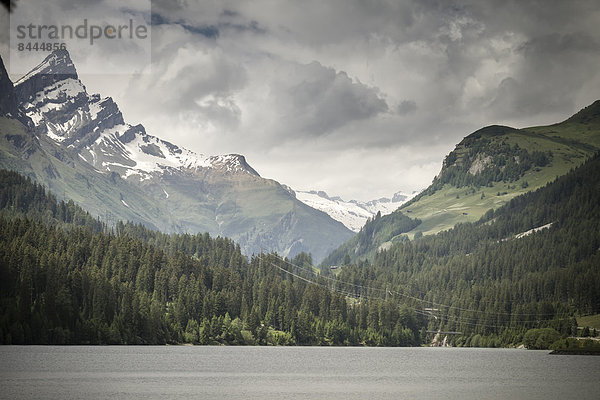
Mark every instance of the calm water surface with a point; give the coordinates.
(184, 372)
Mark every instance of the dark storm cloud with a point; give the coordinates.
(351, 76)
(554, 56)
(359, 83)
(318, 100)
(208, 31)
(209, 26)
(69, 4)
(567, 44)
(556, 67)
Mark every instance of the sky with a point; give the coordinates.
(358, 98)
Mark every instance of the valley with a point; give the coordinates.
(178, 247)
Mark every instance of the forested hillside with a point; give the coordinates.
(500, 276)
(67, 278)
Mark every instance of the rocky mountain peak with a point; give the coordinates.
(56, 67)
(232, 163)
(352, 213)
(400, 197)
(56, 63)
(60, 107)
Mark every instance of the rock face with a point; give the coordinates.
(55, 68)
(222, 195)
(60, 107)
(9, 105)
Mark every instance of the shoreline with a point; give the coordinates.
(578, 352)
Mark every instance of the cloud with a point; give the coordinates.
(188, 77)
(554, 69)
(314, 100)
(347, 81)
(406, 107)
(361, 99)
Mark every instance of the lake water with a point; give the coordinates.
(186, 372)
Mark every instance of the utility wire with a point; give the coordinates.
(461, 320)
(427, 302)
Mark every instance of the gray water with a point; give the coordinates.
(185, 372)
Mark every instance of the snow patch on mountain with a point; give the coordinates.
(353, 214)
(529, 232)
(58, 63)
(59, 105)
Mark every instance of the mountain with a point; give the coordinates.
(486, 170)
(60, 107)
(61, 170)
(530, 264)
(533, 263)
(353, 214)
(65, 277)
(65, 280)
(82, 148)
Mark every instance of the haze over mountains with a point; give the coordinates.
(352, 213)
(79, 145)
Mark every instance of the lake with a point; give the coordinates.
(186, 372)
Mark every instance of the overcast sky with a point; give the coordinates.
(357, 98)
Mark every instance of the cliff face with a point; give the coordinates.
(9, 104)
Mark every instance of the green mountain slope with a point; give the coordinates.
(532, 263)
(487, 169)
(71, 178)
(256, 212)
(377, 233)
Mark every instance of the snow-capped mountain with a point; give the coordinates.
(59, 105)
(146, 179)
(353, 214)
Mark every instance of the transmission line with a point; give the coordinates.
(447, 317)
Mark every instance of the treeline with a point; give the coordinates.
(479, 279)
(21, 196)
(65, 278)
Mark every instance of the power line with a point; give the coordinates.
(489, 313)
(465, 320)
